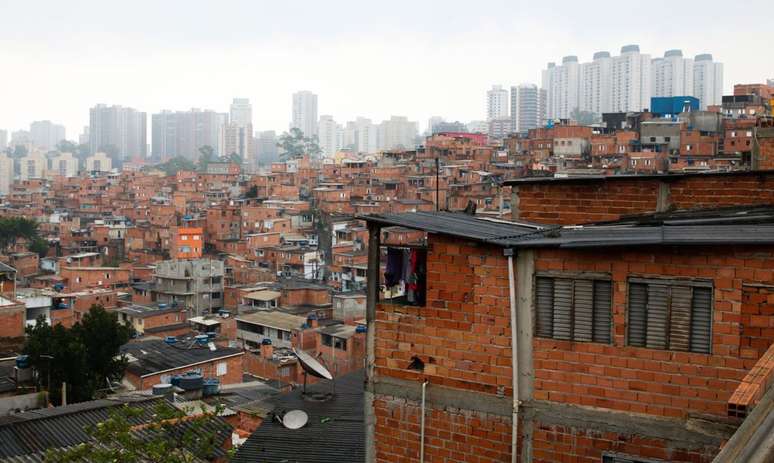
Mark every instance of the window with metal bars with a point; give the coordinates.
(670, 315)
(573, 309)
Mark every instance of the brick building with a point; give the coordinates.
(636, 337)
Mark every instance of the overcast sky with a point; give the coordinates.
(375, 59)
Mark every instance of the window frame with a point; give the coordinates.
(574, 276)
(671, 282)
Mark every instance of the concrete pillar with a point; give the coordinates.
(664, 198)
(515, 212)
(525, 308)
(372, 297)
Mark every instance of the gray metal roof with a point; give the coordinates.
(154, 356)
(599, 178)
(5, 268)
(335, 432)
(500, 232)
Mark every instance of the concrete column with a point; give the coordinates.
(372, 297)
(515, 212)
(664, 198)
(525, 308)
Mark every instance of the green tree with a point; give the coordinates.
(584, 117)
(39, 246)
(13, 228)
(252, 192)
(206, 156)
(295, 145)
(19, 151)
(66, 146)
(83, 356)
(175, 165)
(168, 436)
(236, 159)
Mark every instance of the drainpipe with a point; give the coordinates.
(422, 426)
(514, 357)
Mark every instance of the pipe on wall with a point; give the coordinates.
(514, 358)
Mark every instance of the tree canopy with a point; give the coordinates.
(584, 117)
(14, 228)
(175, 165)
(169, 436)
(295, 145)
(85, 356)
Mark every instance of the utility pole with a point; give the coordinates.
(437, 185)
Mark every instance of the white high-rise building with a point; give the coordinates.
(304, 115)
(672, 75)
(46, 135)
(241, 112)
(397, 133)
(496, 103)
(631, 80)
(478, 126)
(99, 162)
(707, 80)
(595, 84)
(527, 107)
(3, 139)
(6, 174)
(329, 135)
(64, 165)
(366, 136)
(119, 131)
(32, 165)
(432, 122)
(562, 86)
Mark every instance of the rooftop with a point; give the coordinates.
(153, 356)
(334, 433)
(274, 319)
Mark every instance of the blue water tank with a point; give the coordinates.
(266, 342)
(202, 339)
(170, 340)
(162, 389)
(23, 361)
(190, 381)
(211, 386)
(162, 306)
(211, 335)
(361, 329)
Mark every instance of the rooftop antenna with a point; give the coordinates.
(312, 367)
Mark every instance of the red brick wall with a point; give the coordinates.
(462, 335)
(651, 381)
(450, 435)
(723, 190)
(12, 320)
(757, 321)
(572, 203)
(563, 443)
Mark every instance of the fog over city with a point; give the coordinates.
(370, 59)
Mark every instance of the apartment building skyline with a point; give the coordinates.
(527, 107)
(183, 133)
(304, 113)
(120, 130)
(496, 103)
(46, 135)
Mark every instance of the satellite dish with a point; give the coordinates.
(295, 419)
(312, 366)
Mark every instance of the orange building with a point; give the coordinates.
(187, 243)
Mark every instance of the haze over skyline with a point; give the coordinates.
(412, 59)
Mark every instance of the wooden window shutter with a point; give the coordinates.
(680, 318)
(583, 315)
(563, 295)
(658, 317)
(602, 311)
(701, 321)
(638, 301)
(544, 305)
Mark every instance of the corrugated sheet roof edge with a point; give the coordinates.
(597, 178)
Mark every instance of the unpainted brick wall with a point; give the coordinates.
(462, 335)
(451, 435)
(640, 380)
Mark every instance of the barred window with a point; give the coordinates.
(670, 315)
(574, 309)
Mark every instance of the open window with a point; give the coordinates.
(404, 280)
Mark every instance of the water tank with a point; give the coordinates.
(202, 339)
(23, 361)
(211, 386)
(162, 306)
(175, 381)
(266, 342)
(361, 329)
(190, 381)
(162, 389)
(211, 335)
(170, 340)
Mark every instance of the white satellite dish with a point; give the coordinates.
(312, 366)
(295, 419)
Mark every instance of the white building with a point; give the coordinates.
(478, 127)
(596, 84)
(32, 165)
(672, 75)
(562, 86)
(631, 80)
(329, 132)
(362, 135)
(304, 115)
(6, 174)
(527, 107)
(99, 162)
(432, 122)
(707, 80)
(64, 165)
(500, 128)
(241, 112)
(496, 103)
(46, 135)
(397, 132)
(3, 139)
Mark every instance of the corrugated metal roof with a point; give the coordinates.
(154, 356)
(501, 232)
(273, 319)
(598, 178)
(335, 432)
